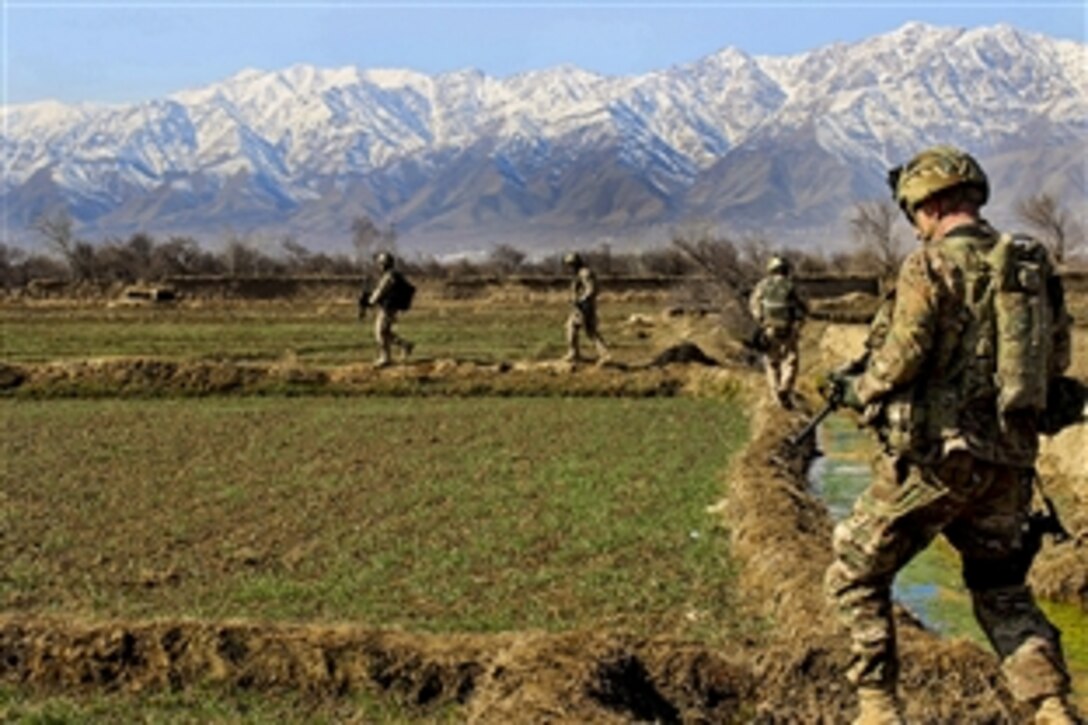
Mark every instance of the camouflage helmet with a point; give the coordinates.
(778, 265)
(384, 260)
(932, 171)
(573, 260)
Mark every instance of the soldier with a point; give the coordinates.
(780, 312)
(393, 294)
(584, 314)
(958, 456)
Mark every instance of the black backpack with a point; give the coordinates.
(401, 293)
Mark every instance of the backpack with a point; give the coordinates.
(776, 304)
(401, 293)
(1010, 291)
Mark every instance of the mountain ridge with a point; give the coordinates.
(773, 145)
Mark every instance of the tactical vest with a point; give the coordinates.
(776, 303)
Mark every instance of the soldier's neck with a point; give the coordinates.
(952, 221)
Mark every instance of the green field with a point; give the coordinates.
(206, 705)
(314, 333)
(443, 514)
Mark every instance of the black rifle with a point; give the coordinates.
(364, 301)
(1046, 522)
(834, 396)
(833, 404)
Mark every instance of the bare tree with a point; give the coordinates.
(368, 239)
(1059, 230)
(756, 251)
(716, 256)
(505, 259)
(730, 278)
(57, 228)
(874, 228)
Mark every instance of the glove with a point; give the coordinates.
(842, 387)
(848, 393)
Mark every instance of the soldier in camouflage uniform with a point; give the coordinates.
(387, 315)
(584, 314)
(779, 311)
(952, 463)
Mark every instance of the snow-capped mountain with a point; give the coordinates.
(779, 145)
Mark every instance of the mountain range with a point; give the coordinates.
(776, 146)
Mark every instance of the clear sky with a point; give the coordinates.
(122, 50)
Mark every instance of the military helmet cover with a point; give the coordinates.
(384, 260)
(778, 264)
(932, 171)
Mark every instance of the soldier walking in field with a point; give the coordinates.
(584, 314)
(780, 312)
(957, 390)
(392, 295)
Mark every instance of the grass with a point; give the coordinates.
(318, 333)
(440, 514)
(202, 705)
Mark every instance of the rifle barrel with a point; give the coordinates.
(810, 427)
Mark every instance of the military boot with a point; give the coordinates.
(878, 707)
(1056, 710)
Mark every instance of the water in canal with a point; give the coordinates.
(930, 586)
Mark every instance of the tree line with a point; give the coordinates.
(879, 240)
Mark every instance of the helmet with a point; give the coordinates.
(573, 259)
(934, 170)
(778, 264)
(384, 260)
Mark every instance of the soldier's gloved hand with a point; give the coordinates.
(848, 393)
(843, 388)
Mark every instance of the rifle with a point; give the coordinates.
(1046, 522)
(758, 341)
(833, 402)
(364, 301)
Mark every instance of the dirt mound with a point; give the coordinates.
(684, 352)
(152, 377)
(1061, 571)
(573, 677)
(854, 307)
(149, 377)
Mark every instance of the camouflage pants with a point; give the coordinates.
(982, 509)
(780, 360)
(386, 338)
(584, 320)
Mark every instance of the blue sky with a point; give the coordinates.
(121, 50)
